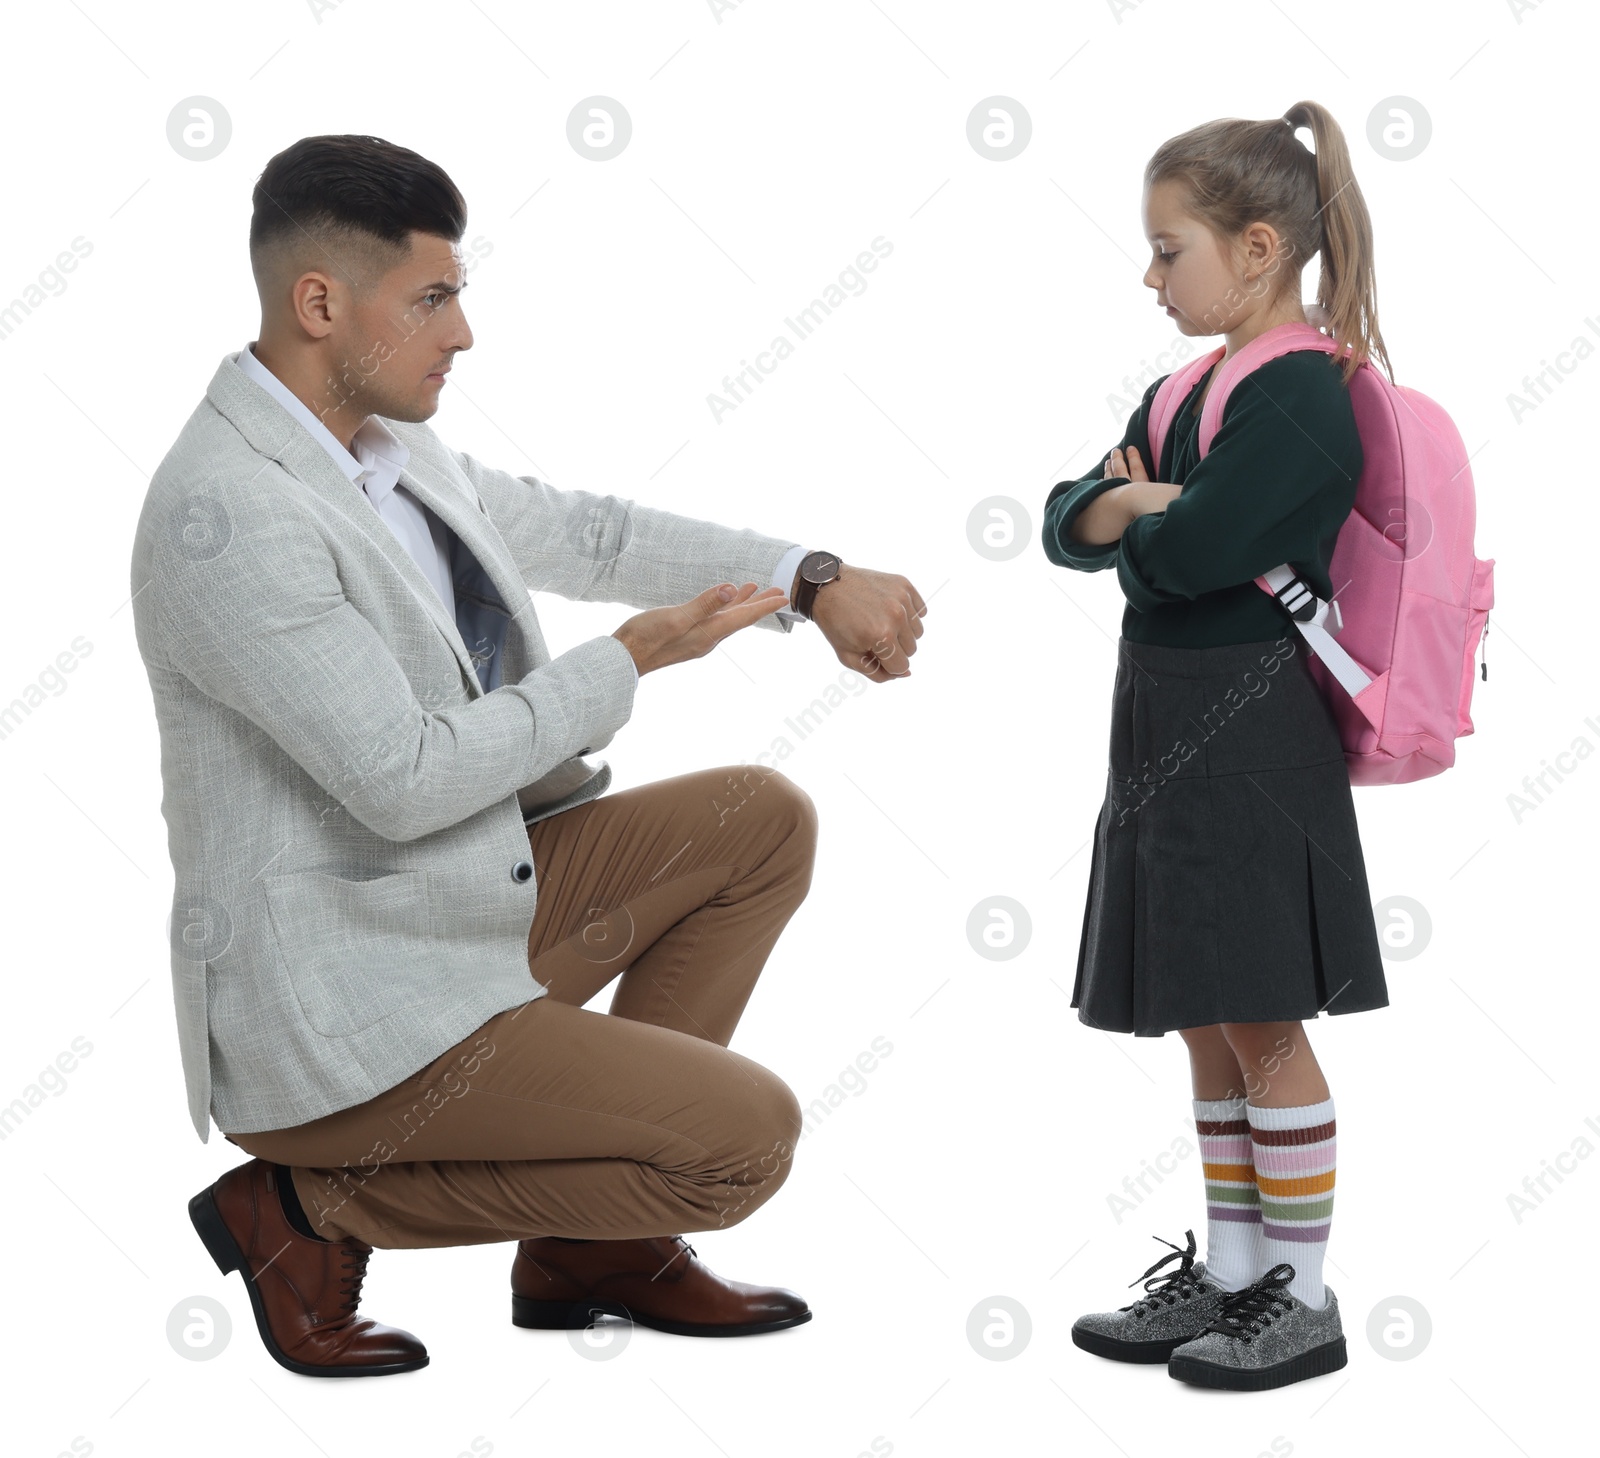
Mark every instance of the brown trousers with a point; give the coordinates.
(552, 1119)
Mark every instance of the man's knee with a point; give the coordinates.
(769, 1129)
(795, 807)
(753, 791)
(768, 1112)
(784, 1117)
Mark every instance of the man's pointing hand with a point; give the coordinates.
(692, 629)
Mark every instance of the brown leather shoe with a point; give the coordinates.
(657, 1282)
(304, 1291)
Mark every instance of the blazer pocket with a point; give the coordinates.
(355, 952)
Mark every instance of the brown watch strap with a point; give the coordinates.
(805, 591)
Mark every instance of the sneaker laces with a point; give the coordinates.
(1245, 1312)
(1174, 1286)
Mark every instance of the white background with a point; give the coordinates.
(988, 356)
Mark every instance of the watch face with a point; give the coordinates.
(820, 568)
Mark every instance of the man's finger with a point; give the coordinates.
(703, 608)
(746, 609)
(887, 650)
(704, 604)
(868, 667)
(910, 631)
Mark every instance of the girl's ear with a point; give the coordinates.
(1258, 246)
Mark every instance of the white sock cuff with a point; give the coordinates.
(1300, 1116)
(1219, 1109)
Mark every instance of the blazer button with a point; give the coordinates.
(522, 870)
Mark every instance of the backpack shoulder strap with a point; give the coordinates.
(1308, 612)
(1170, 395)
(1283, 339)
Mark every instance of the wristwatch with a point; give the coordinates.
(816, 569)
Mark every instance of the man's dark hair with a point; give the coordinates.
(347, 204)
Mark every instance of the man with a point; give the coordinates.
(368, 755)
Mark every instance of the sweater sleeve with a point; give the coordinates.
(1068, 498)
(1281, 474)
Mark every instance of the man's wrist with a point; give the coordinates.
(786, 575)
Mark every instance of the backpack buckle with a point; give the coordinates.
(1298, 600)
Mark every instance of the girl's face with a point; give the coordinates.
(1198, 283)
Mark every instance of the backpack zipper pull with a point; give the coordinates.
(1483, 643)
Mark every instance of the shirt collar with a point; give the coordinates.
(376, 455)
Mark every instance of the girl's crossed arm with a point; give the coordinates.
(1084, 519)
(1276, 485)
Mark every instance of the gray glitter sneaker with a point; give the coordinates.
(1263, 1337)
(1174, 1308)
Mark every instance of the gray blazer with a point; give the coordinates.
(352, 886)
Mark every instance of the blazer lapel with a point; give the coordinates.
(449, 501)
(275, 434)
(496, 586)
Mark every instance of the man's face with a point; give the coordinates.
(394, 345)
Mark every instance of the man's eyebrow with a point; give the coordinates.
(441, 288)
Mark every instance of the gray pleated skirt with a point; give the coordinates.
(1227, 882)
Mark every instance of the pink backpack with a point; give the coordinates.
(1411, 600)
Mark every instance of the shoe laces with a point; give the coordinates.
(1246, 1312)
(1174, 1286)
(354, 1265)
(682, 1246)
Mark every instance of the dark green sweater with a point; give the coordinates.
(1276, 486)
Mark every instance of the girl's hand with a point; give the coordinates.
(1130, 465)
(1143, 495)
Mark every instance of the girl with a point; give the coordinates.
(1227, 896)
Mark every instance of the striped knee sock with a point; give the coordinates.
(1235, 1255)
(1294, 1159)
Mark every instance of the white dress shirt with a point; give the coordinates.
(374, 462)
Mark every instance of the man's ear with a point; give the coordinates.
(309, 299)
